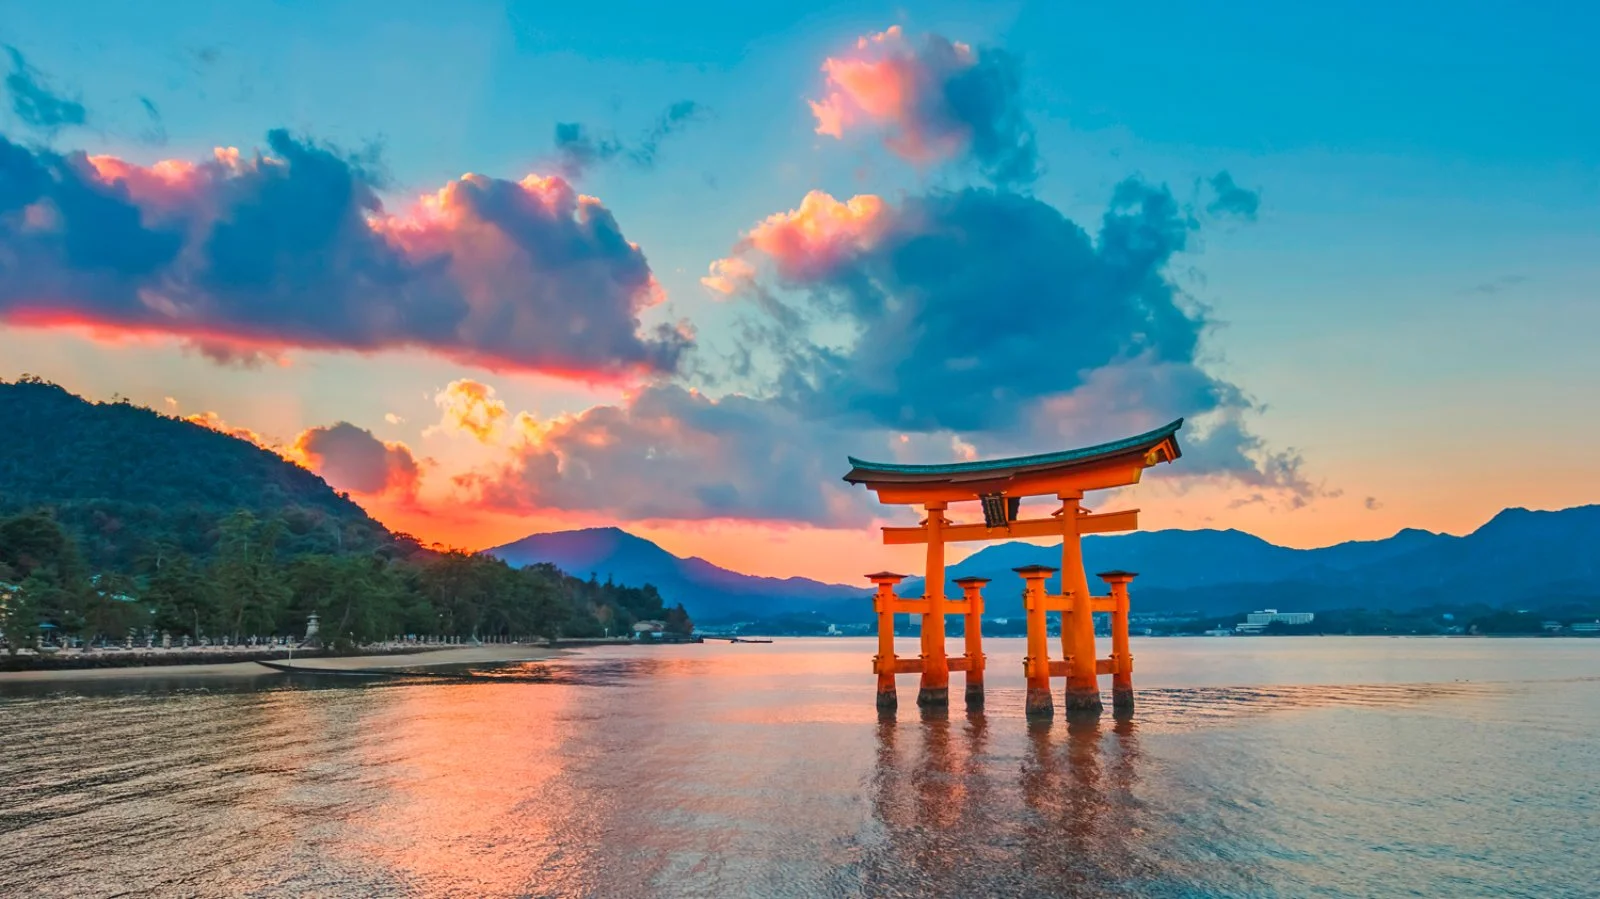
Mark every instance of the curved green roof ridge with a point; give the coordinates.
(1072, 455)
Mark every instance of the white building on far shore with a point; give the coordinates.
(1256, 622)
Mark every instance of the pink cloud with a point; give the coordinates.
(804, 243)
(248, 255)
(351, 458)
(934, 100)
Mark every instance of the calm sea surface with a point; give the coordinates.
(1254, 767)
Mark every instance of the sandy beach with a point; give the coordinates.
(459, 655)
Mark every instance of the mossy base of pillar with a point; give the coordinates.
(933, 696)
(888, 701)
(1083, 701)
(1040, 704)
(975, 693)
(1122, 702)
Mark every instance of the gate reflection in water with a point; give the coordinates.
(942, 804)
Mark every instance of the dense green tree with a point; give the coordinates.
(109, 610)
(57, 600)
(53, 589)
(180, 597)
(250, 589)
(357, 599)
(19, 619)
(35, 540)
(1506, 621)
(678, 622)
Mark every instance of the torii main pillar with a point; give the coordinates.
(935, 689)
(1000, 486)
(1077, 622)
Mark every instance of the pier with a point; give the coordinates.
(999, 486)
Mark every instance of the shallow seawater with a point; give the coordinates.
(1253, 767)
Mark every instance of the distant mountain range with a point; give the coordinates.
(1518, 557)
(711, 593)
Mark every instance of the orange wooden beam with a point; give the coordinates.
(905, 666)
(914, 666)
(1102, 523)
(920, 607)
(1055, 602)
(1063, 667)
(1100, 477)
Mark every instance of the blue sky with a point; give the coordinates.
(1414, 307)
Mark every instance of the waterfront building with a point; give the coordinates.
(1268, 616)
(1256, 622)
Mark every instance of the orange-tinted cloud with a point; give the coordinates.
(214, 421)
(248, 255)
(804, 243)
(666, 453)
(470, 407)
(726, 276)
(351, 458)
(935, 100)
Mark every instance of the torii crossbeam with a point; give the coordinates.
(1000, 485)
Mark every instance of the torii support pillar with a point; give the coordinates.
(884, 663)
(1121, 657)
(1077, 625)
(972, 592)
(1036, 667)
(935, 689)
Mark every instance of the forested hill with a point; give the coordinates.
(115, 519)
(123, 478)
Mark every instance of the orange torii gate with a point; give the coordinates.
(1000, 485)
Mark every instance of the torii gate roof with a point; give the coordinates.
(871, 473)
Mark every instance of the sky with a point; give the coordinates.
(501, 268)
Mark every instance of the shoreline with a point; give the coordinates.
(427, 658)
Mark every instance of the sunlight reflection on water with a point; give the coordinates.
(1259, 767)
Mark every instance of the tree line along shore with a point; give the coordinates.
(256, 581)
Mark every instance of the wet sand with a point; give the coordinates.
(461, 655)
